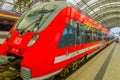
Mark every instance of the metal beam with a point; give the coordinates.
(52, 0)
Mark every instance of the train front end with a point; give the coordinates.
(28, 50)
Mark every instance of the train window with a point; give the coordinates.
(77, 28)
(87, 33)
(35, 17)
(5, 27)
(68, 37)
(92, 34)
(80, 26)
(103, 36)
(81, 37)
(85, 27)
(71, 22)
(99, 35)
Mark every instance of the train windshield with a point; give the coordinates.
(35, 18)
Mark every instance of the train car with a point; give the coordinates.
(49, 38)
(7, 19)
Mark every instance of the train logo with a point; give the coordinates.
(18, 40)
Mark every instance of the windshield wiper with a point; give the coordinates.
(42, 12)
(25, 29)
(37, 21)
(46, 11)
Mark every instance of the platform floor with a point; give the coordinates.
(104, 66)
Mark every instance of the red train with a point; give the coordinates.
(52, 36)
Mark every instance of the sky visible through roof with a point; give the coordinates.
(115, 30)
(7, 6)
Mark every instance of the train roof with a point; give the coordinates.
(83, 18)
(61, 4)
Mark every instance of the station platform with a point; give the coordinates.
(104, 66)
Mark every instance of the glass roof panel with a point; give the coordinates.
(11, 1)
(0, 3)
(7, 6)
(92, 1)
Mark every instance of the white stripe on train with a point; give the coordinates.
(66, 57)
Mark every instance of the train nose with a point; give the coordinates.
(23, 41)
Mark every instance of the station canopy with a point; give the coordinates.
(105, 12)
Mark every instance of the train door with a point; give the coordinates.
(68, 40)
(77, 38)
(75, 28)
(81, 41)
(79, 44)
(81, 36)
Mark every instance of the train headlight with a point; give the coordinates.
(33, 40)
